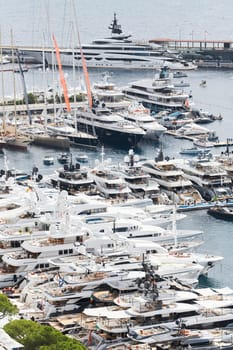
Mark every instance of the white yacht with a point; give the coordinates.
(154, 253)
(140, 115)
(142, 308)
(35, 254)
(158, 93)
(216, 338)
(209, 177)
(174, 120)
(140, 183)
(108, 183)
(173, 181)
(193, 129)
(106, 92)
(135, 229)
(207, 261)
(119, 51)
(85, 206)
(70, 292)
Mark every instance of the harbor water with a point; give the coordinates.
(149, 19)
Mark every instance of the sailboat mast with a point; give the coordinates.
(45, 91)
(24, 87)
(87, 81)
(3, 94)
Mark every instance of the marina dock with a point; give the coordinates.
(228, 142)
(207, 53)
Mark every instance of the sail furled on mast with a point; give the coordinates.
(62, 78)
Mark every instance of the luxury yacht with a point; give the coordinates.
(136, 229)
(172, 180)
(140, 183)
(76, 137)
(60, 240)
(106, 92)
(108, 183)
(72, 178)
(174, 120)
(158, 93)
(193, 129)
(208, 177)
(119, 51)
(140, 115)
(108, 126)
(199, 339)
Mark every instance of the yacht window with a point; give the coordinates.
(70, 251)
(142, 236)
(122, 263)
(121, 229)
(60, 252)
(66, 251)
(16, 244)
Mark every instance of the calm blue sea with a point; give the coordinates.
(31, 22)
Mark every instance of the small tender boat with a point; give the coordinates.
(193, 129)
(203, 143)
(221, 212)
(213, 137)
(179, 74)
(203, 83)
(5, 60)
(48, 160)
(193, 151)
(63, 158)
(82, 157)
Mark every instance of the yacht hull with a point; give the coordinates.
(84, 141)
(113, 137)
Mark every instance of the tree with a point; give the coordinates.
(69, 344)
(6, 307)
(35, 336)
(31, 98)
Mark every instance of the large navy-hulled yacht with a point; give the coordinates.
(110, 127)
